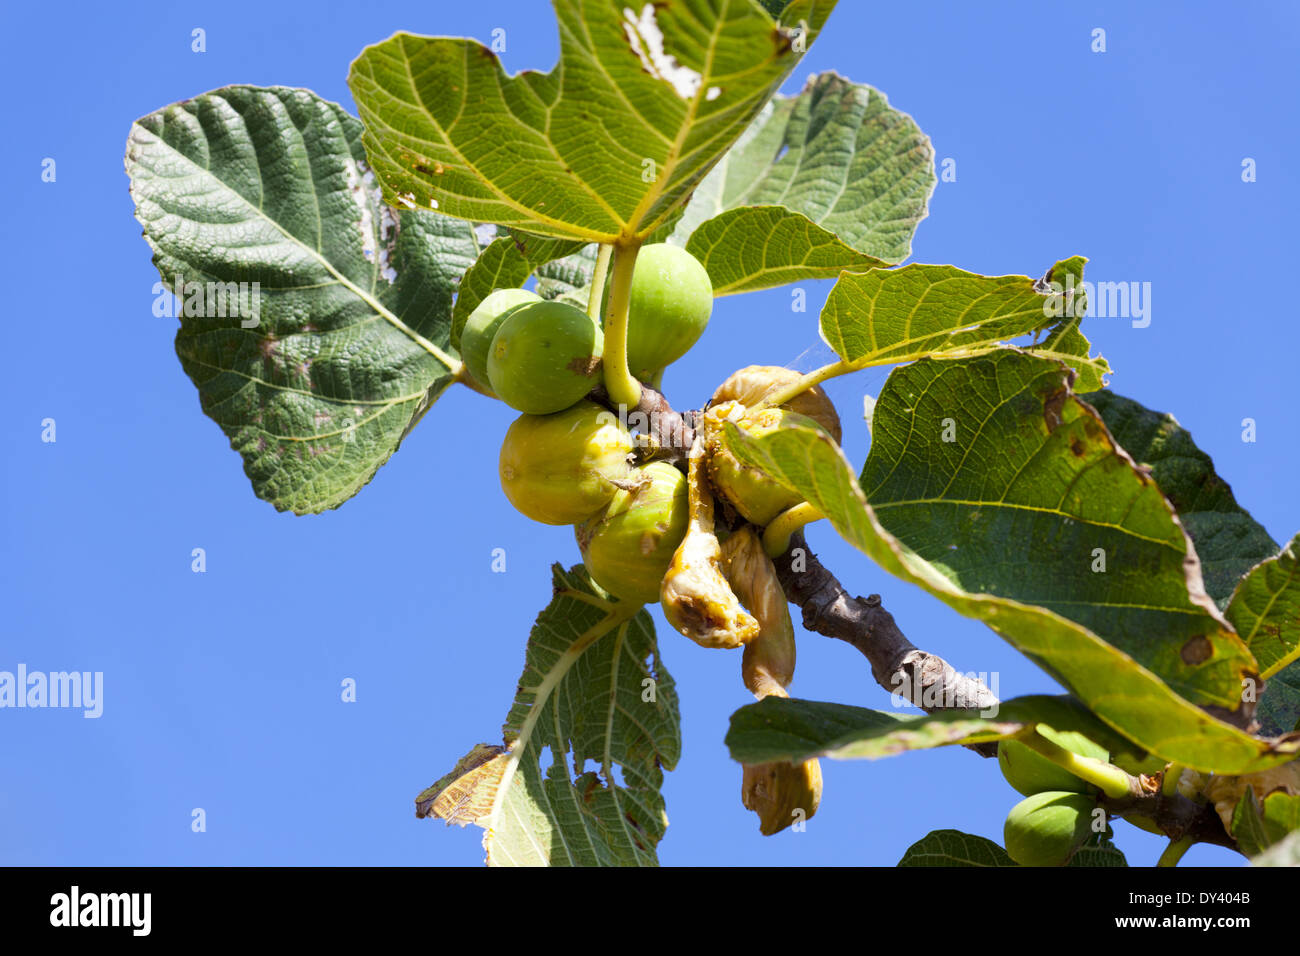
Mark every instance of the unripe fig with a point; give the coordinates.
(1046, 828)
(753, 494)
(628, 546)
(671, 301)
(481, 327)
(544, 357)
(561, 468)
(753, 383)
(1030, 772)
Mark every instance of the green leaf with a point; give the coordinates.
(828, 180)
(1284, 853)
(583, 695)
(1124, 694)
(994, 473)
(1063, 341)
(607, 145)
(954, 848)
(884, 317)
(568, 277)
(1105, 855)
(1228, 540)
(797, 730)
(759, 247)
(505, 264)
(1256, 827)
(1279, 707)
(1265, 610)
(349, 340)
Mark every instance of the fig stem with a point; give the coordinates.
(776, 536)
(467, 380)
(1144, 823)
(1169, 782)
(1174, 852)
(1109, 779)
(623, 389)
(596, 290)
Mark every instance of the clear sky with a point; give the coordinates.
(222, 689)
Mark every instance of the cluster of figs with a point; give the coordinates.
(1057, 816)
(680, 529)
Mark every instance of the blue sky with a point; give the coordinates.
(222, 689)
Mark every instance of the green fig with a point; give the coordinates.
(628, 546)
(1046, 828)
(753, 494)
(544, 357)
(1030, 772)
(669, 306)
(481, 327)
(562, 468)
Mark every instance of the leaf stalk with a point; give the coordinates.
(776, 536)
(596, 290)
(1174, 852)
(798, 387)
(1109, 779)
(623, 389)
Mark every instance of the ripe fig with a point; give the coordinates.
(1226, 792)
(1030, 772)
(562, 468)
(481, 327)
(781, 793)
(752, 384)
(1046, 828)
(753, 494)
(671, 301)
(768, 664)
(544, 357)
(695, 596)
(628, 546)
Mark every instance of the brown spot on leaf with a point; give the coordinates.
(1052, 406)
(1076, 448)
(1197, 650)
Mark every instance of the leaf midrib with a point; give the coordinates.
(453, 365)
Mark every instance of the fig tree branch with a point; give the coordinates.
(926, 680)
(671, 433)
(933, 685)
(1177, 816)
